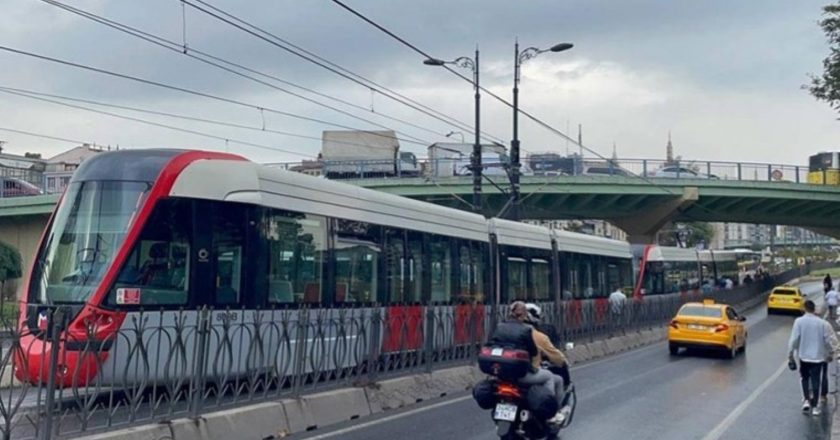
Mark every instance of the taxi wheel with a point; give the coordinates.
(674, 349)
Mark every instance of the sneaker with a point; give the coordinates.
(561, 416)
(558, 419)
(816, 411)
(806, 405)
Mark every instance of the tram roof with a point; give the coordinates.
(248, 182)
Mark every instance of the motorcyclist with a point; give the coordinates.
(535, 319)
(515, 333)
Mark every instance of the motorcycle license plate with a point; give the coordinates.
(505, 411)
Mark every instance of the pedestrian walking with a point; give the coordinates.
(827, 283)
(813, 341)
(832, 298)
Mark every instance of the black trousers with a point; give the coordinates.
(810, 373)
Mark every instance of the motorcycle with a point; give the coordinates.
(511, 412)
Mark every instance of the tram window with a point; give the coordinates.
(465, 273)
(157, 270)
(540, 279)
(228, 241)
(395, 265)
(478, 258)
(357, 262)
(440, 256)
(415, 268)
(613, 275)
(296, 250)
(588, 276)
(517, 278)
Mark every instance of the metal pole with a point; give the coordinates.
(476, 162)
(514, 144)
(55, 324)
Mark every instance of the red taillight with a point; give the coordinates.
(772, 299)
(675, 323)
(796, 300)
(721, 328)
(508, 390)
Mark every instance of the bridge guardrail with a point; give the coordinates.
(572, 166)
(161, 365)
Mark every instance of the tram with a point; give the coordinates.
(182, 231)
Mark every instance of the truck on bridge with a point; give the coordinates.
(356, 153)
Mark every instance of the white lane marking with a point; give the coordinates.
(721, 428)
(388, 419)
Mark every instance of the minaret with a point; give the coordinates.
(669, 150)
(614, 156)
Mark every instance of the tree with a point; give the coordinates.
(10, 268)
(827, 86)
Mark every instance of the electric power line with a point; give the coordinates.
(196, 93)
(311, 57)
(35, 94)
(214, 61)
(45, 136)
(161, 125)
(497, 97)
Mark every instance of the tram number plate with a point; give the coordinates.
(505, 411)
(697, 327)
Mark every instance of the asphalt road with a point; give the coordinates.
(646, 394)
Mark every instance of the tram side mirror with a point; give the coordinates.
(570, 345)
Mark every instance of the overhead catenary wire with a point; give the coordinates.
(33, 94)
(161, 125)
(196, 93)
(45, 136)
(273, 39)
(228, 66)
(497, 97)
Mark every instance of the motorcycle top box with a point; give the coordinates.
(504, 363)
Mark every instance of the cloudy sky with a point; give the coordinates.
(723, 76)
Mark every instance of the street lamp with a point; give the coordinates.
(519, 58)
(452, 133)
(475, 159)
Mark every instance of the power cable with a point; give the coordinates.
(45, 136)
(161, 125)
(197, 93)
(25, 92)
(311, 57)
(497, 97)
(214, 61)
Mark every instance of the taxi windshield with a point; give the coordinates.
(88, 229)
(700, 311)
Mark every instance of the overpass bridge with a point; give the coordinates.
(641, 206)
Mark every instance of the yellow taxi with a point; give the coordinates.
(786, 299)
(707, 325)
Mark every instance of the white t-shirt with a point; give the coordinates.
(617, 300)
(832, 297)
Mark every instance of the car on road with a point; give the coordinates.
(786, 299)
(678, 172)
(707, 325)
(605, 170)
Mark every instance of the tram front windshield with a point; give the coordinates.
(86, 233)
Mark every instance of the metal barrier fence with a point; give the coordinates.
(572, 166)
(161, 365)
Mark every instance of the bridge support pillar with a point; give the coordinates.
(642, 228)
